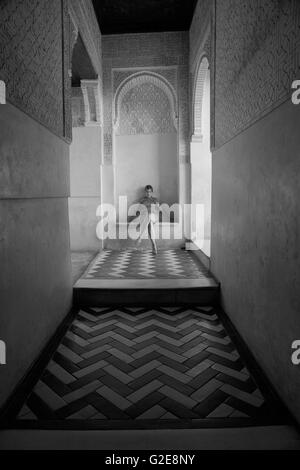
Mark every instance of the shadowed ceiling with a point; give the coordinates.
(141, 16)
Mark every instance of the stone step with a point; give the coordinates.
(130, 278)
(239, 438)
(146, 293)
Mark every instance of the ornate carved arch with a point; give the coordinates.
(201, 76)
(140, 78)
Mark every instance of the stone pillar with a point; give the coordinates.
(91, 91)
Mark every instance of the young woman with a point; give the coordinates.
(149, 216)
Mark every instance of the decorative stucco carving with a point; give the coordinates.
(145, 109)
(200, 42)
(257, 58)
(67, 59)
(201, 60)
(163, 53)
(145, 103)
(74, 32)
(92, 102)
(198, 99)
(168, 73)
(31, 59)
(36, 42)
(87, 107)
(78, 112)
(2, 92)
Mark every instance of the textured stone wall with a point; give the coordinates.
(255, 174)
(78, 114)
(82, 19)
(36, 44)
(165, 54)
(145, 109)
(34, 59)
(35, 281)
(257, 58)
(201, 58)
(250, 76)
(198, 29)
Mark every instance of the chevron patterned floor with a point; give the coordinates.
(139, 364)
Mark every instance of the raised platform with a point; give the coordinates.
(168, 235)
(132, 277)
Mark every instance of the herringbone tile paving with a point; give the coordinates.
(142, 364)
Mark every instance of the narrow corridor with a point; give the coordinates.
(149, 224)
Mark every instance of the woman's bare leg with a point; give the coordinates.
(152, 239)
(144, 221)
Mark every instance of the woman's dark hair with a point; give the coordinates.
(148, 187)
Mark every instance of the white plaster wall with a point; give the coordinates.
(255, 242)
(165, 53)
(85, 181)
(255, 176)
(201, 165)
(35, 281)
(147, 159)
(85, 161)
(201, 183)
(107, 183)
(83, 223)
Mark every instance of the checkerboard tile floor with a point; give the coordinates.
(134, 264)
(130, 364)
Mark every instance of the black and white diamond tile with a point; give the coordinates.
(143, 364)
(134, 264)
